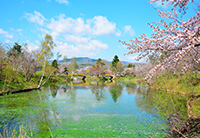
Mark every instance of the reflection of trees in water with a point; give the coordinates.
(98, 90)
(115, 91)
(131, 88)
(144, 99)
(53, 90)
(46, 113)
(165, 102)
(64, 91)
(168, 103)
(71, 93)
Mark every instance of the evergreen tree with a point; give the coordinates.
(115, 61)
(15, 51)
(54, 63)
(65, 70)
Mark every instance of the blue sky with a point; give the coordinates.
(80, 28)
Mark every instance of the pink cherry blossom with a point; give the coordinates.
(180, 38)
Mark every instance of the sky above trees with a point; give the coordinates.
(80, 28)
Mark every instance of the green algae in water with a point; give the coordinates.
(90, 110)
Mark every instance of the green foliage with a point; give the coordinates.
(184, 83)
(54, 63)
(73, 67)
(65, 70)
(131, 65)
(116, 91)
(100, 63)
(115, 61)
(116, 65)
(16, 50)
(46, 52)
(168, 103)
(45, 55)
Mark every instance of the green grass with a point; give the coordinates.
(18, 83)
(185, 84)
(137, 80)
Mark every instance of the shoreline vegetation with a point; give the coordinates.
(22, 71)
(23, 86)
(170, 84)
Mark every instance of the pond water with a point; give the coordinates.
(90, 109)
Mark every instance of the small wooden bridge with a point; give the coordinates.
(79, 74)
(109, 75)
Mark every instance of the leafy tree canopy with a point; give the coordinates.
(55, 63)
(16, 50)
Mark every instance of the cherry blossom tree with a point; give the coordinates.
(173, 35)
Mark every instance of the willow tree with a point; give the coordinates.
(173, 34)
(45, 54)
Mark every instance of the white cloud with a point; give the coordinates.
(35, 18)
(5, 33)
(63, 1)
(37, 42)
(19, 30)
(80, 27)
(7, 41)
(101, 26)
(132, 57)
(9, 36)
(35, 48)
(45, 31)
(122, 47)
(32, 47)
(128, 29)
(160, 4)
(61, 26)
(98, 44)
(118, 33)
(96, 26)
(76, 37)
(82, 49)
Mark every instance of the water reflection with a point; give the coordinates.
(98, 90)
(115, 91)
(87, 106)
(148, 101)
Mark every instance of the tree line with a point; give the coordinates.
(19, 61)
(18, 64)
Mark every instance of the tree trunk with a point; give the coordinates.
(42, 74)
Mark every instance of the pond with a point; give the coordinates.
(90, 109)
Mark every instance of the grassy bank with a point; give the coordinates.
(185, 84)
(188, 84)
(137, 80)
(20, 84)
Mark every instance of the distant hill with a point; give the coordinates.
(81, 60)
(87, 60)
